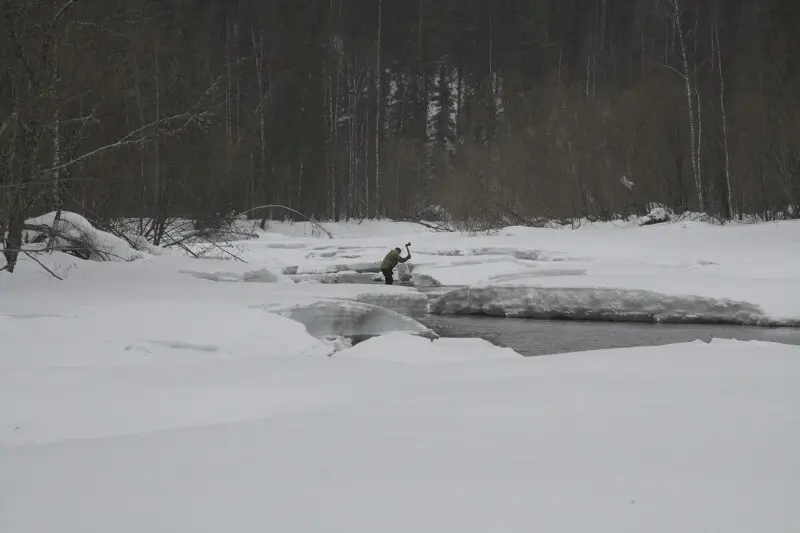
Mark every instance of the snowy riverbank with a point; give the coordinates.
(691, 437)
(172, 394)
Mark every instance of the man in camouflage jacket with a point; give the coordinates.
(391, 260)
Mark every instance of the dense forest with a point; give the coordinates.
(344, 109)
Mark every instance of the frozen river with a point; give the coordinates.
(541, 337)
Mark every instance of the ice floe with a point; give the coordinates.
(599, 304)
(344, 318)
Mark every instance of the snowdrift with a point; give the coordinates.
(409, 349)
(599, 304)
(261, 275)
(687, 438)
(77, 231)
(137, 331)
(137, 367)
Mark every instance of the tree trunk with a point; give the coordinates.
(365, 138)
(142, 178)
(351, 156)
(728, 184)
(14, 241)
(158, 188)
(57, 200)
(690, 98)
(228, 103)
(262, 122)
(378, 114)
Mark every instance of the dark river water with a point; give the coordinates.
(541, 337)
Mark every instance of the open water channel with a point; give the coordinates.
(540, 337)
(532, 337)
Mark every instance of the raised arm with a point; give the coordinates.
(408, 254)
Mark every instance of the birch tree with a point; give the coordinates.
(693, 102)
(728, 179)
(378, 105)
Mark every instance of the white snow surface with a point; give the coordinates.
(168, 394)
(756, 264)
(695, 437)
(137, 367)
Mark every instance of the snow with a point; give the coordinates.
(755, 264)
(599, 304)
(136, 367)
(407, 349)
(170, 394)
(696, 437)
(108, 247)
(263, 275)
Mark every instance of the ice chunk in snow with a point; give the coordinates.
(516, 253)
(262, 275)
(335, 277)
(360, 267)
(105, 246)
(405, 348)
(344, 318)
(596, 304)
(424, 280)
(406, 303)
(471, 272)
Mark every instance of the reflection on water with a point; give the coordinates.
(541, 337)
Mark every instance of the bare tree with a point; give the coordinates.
(728, 180)
(378, 105)
(258, 48)
(693, 103)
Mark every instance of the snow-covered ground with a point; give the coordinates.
(675, 270)
(673, 439)
(691, 271)
(170, 394)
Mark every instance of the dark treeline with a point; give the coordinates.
(364, 108)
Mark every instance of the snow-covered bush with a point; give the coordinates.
(74, 234)
(656, 214)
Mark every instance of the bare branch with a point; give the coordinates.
(134, 137)
(131, 138)
(676, 71)
(63, 10)
(312, 221)
(43, 265)
(76, 120)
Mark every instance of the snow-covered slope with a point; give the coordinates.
(166, 394)
(681, 438)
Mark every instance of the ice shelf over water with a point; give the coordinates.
(598, 304)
